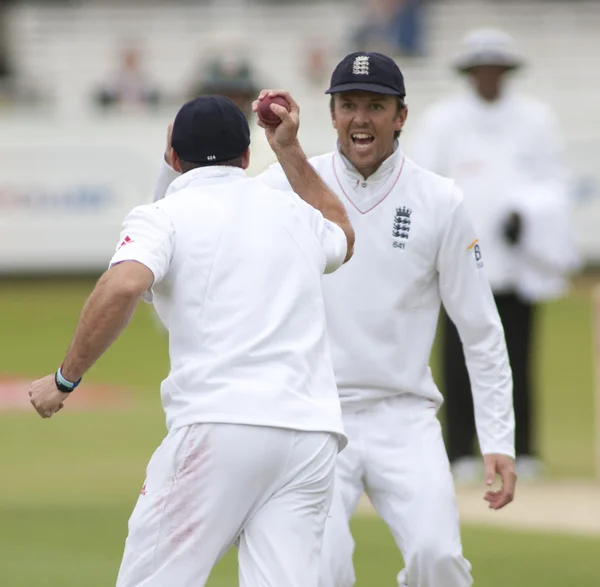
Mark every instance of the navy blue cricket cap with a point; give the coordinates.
(210, 129)
(370, 72)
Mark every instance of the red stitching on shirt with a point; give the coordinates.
(350, 199)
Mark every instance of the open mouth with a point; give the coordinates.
(362, 140)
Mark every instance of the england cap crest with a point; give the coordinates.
(369, 72)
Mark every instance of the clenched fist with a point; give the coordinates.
(45, 397)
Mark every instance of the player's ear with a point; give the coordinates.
(333, 120)
(401, 118)
(332, 111)
(246, 159)
(176, 164)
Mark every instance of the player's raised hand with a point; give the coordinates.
(45, 397)
(504, 466)
(282, 130)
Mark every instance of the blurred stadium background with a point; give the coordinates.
(73, 161)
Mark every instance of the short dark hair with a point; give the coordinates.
(188, 165)
(400, 105)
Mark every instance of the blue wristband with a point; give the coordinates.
(63, 384)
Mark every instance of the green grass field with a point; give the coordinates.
(69, 483)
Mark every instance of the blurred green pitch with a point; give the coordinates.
(69, 483)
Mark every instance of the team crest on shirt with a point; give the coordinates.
(401, 228)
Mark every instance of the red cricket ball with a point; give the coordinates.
(266, 115)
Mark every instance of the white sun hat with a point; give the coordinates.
(488, 47)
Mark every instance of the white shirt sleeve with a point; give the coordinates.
(335, 244)
(166, 175)
(148, 237)
(468, 299)
(331, 237)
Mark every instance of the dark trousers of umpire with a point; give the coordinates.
(517, 319)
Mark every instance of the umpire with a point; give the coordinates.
(504, 150)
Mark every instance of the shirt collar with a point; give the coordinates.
(212, 174)
(384, 170)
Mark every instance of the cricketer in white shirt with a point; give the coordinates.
(416, 248)
(254, 420)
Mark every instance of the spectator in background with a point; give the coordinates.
(15, 88)
(232, 76)
(393, 26)
(5, 68)
(130, 87)
(504, 151)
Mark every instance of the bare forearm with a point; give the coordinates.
(305, 181)
(104, 316)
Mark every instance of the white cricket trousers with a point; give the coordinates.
(396, 454)
(209, 486)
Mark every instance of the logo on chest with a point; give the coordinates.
(401, 227)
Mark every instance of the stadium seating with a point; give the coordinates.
(68, 50)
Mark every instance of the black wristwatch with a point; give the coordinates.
(63, 384)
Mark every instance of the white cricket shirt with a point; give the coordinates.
(415, 248)
(237, 281)
(507, 157)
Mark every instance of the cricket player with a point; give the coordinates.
(253, 415)
(416, 249)
(514, 179)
